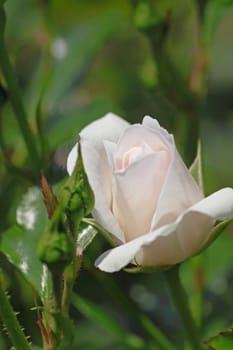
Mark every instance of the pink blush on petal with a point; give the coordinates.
(132, 155)
(135, 193)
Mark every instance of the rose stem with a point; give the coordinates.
(180, 301)
(9, 319)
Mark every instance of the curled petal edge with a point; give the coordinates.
(211, 207)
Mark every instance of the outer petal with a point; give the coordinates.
(168, 245)
(179, 192)
(97, 168)
(108, 127)
(117, 258)
(191, 232)
(72, 159)
(99, 176)
(219, 205)
(153, 124)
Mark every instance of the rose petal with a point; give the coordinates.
(97, 168)
(192, 230)
(108, 127)
(137, 135)
(99, 176)
(168, 245)
(150, 122)
(179, 192)
(153, 124)
(72, 159)
(136, 191)
(110, 149)
(117, 258)
(219, 205)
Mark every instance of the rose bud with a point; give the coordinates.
(144, 194)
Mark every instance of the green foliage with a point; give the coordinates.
(75, 61)
(222, 341)
(214, 14)
(20, 241)
(56, 250)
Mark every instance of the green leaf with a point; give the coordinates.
(222, 341)
(214, 13)
(196, 167)
(20, 241)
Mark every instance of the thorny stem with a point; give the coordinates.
(9, 319)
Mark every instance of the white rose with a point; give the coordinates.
(145, 195)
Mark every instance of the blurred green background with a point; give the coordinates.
(77, 60)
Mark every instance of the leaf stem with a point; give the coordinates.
(180, 301)
(11, 323)
(16, 100)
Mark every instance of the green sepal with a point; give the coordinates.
(76, 197)
(222, 341)
(57, 251)
(217, 231)
(50, 200)
(196, 167)
(77, 194)
(57, 247)
(146, 269)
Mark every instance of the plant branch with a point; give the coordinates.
(11, 323)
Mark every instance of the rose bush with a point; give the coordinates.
(144, 194)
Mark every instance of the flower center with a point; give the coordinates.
(133, 155)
